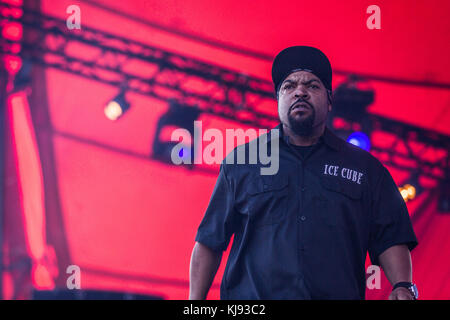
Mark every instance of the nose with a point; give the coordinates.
(301, 92)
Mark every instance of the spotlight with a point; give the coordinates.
(351, 99)
(408, 192)
(411, 189)
(350, 102)
(185, 152)
(181, 116)
(116, 107)
(359, 139)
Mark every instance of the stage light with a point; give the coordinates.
(351, 99)
(408, 192)
(116, 107)
(113, 110)
(411, 191)
(185, 152)
(404, 193)
(412, 188)
(178, 115)
(359, 139)
(349, 116)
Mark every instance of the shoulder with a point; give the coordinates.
(361, 155)
(365, 161)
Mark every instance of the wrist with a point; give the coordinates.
(411, 287)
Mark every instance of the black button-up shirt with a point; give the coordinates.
(304, 232)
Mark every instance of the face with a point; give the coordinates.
(303, 103)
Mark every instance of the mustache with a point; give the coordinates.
(300, 100)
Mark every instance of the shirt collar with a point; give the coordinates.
(328, 137)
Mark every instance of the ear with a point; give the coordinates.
(330, 105)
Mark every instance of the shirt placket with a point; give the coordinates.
(301, 214)
(301, 219)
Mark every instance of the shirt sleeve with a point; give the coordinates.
(390, 221)
(217, 225)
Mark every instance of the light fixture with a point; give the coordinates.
(116, 107)
(412, 188)
(408, 192)
(181, 116)
(359, 139)
(350, 101)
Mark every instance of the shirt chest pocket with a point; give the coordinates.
(340, 203)
(267, 199)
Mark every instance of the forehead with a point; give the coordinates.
(302, 76)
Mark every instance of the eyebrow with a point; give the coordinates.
(307, 82)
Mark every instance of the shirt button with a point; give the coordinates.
(303, 218)
(303, 188)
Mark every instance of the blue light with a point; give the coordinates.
(185, 153)
(360, 140)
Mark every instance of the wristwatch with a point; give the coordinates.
(410, 286)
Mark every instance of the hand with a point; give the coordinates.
(401, 294)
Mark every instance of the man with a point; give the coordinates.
(304, 232)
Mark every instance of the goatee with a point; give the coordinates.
(302, 126)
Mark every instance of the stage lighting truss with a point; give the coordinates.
(223, 92)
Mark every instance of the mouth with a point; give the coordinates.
(300, 107)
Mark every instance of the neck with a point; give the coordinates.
(304, 140)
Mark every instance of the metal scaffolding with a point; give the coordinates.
(213, 89)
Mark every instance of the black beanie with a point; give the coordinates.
(301, 58)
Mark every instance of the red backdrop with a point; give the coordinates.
(129, 222)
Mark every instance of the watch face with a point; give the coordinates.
(415, 291)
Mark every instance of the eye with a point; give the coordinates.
(314, 86)
(288, 86)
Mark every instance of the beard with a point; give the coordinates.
(302, 126)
